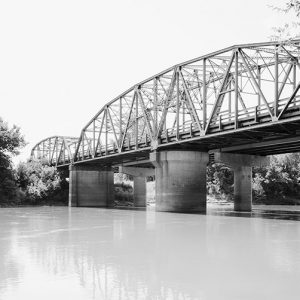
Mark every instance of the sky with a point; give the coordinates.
(61, 61)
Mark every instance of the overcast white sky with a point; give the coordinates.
(62, 60)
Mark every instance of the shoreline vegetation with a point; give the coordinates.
(35, 183)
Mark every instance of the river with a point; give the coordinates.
(92, 253)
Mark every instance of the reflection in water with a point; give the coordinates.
(88, 253)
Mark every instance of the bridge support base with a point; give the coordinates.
(90, 187)
(139, 183)
(242, 167)
(180, 180)
(242, 188)
(139, 192)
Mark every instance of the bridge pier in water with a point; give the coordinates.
(90, 186)
(242, 167)
(180, 180)
(139, 183)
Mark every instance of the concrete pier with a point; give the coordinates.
(139, 191)
(242, 188)
(180, 180)
(91, 186)
(139, 183)
(242, 167)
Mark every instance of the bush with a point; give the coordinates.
(41, 183)
(11, 141)
(123, 194)
(278, 183)
(220, 181)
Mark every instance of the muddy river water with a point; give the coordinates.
(92, 253)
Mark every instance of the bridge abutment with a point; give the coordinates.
(242, 167)
(180, 180)
(139, 183)
(90, 186)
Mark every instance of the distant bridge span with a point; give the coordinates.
(243, 100)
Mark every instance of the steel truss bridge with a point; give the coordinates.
(241, 99)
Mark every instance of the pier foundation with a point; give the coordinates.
(139, 183)
(242, 167)
(90, 186)
(180, 180)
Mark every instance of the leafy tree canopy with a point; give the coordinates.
(289, 30)
(11, 139)
(41, 183)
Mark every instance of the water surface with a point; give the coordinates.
(91, 253)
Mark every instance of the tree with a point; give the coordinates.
(289, 30)
(42, 184)
(11, 141)
(279, 183)
(220, 181)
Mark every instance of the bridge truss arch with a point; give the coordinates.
(205, 102)
(55, 150)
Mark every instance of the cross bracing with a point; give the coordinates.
(55, 150)
(238, 95)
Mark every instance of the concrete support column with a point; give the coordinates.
(180, 180)
(139, 183)
(242, 167)
(242, 188)
(139, 191)
(90, 186)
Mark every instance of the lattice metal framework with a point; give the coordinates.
(56, 150)
(230, 89)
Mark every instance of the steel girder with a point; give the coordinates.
(236, 88)
(55, 150)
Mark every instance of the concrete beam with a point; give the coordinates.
(139, 172)
(135, 163)
(236, 160)
(265, 144)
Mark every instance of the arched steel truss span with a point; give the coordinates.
(238, 95)
(56, 150)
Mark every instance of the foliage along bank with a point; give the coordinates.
(35, 183)
(30, 183)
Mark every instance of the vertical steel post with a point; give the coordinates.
(136, 120)
(120, 122)
(236, 89)
(275, 108)
(241, 77)
(259, 84)
(229, 101)
(204, 107)
(294, 75)
(82, 144)
(106, 131)
(94, 138)
(155, 107)
(183, 113)
(294, 78)
(177, 105)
